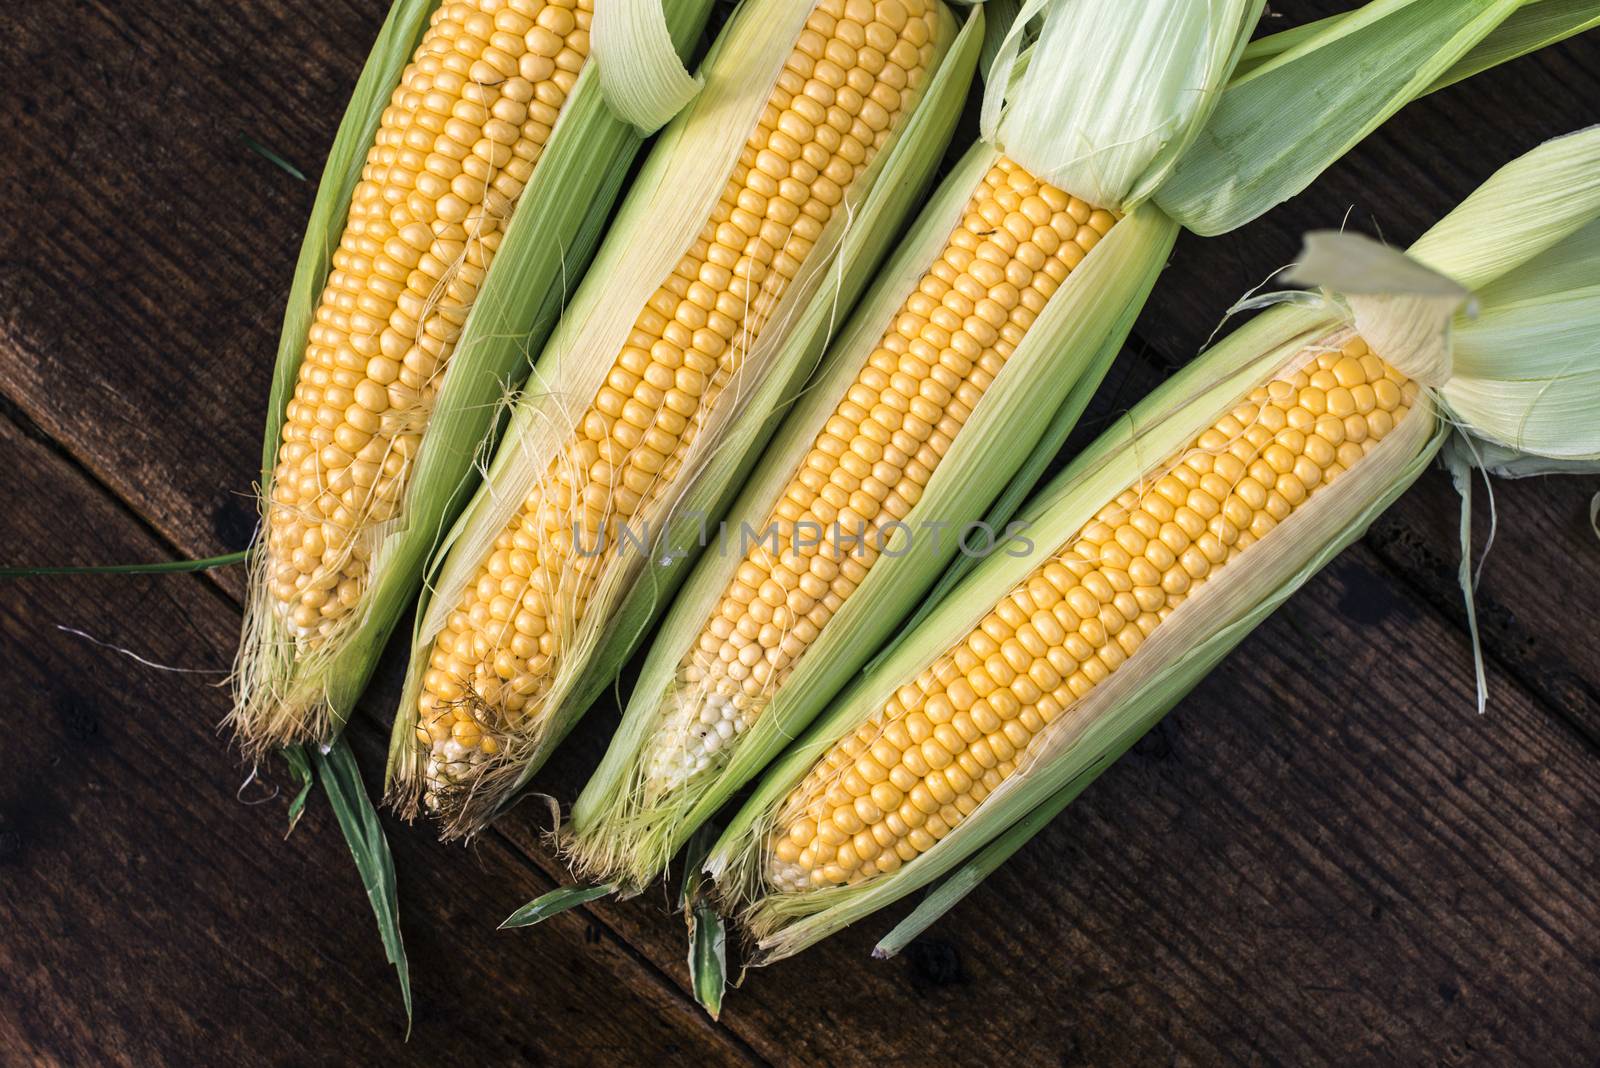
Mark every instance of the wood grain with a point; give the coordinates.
(154, 913)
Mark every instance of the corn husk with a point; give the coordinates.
(1064, 758)
(287, 693)
(1340, 79)
(661, 216)
(1110, 129)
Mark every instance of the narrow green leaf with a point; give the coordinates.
(300, 768)
(358, 819)
(272, 157)
(708, 956)
(556, 902)
(1337, 86)
(162, 568)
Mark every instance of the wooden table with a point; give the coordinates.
(1325, 854)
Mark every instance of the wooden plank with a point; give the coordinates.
(151, 267)
(980, 980)
(152, 912)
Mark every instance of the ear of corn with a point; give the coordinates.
(1008, 294)
(594, 490)
(387, 382)
(1158, 550)
(765, 633)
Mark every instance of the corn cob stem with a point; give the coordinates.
(887, 792)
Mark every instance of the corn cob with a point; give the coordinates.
(1017, 240)
(1279, 446)
(457, 143)
(923, 762)
(847, 85)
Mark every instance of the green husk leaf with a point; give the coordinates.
(616, 830)
(708, 932)
(300, 768)
(554, 903)
(1337, 84)
(1531, 27)
(285, 693)
(998, 18)
(358, 819)
(1107, 123)
(1527, 368)
(641, 74)
(684, 173)
(1528, 29)
(164, 567)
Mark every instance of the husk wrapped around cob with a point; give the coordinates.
(765, 206)
(1170, 538)
(465, 191)
(975, 352)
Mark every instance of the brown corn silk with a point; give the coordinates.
(886, 792)
(457, 144)
(846, 82)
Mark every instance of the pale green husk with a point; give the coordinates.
(287, 694)
(1114, 92)
(662, 214)
(1069, 754)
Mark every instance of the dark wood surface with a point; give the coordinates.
(1324, 856)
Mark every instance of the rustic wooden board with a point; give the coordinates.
(154, 912)
(1325, 855)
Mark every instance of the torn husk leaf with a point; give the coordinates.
(641, 73)
(1097, 725)
(291, 688)
(663, 214)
